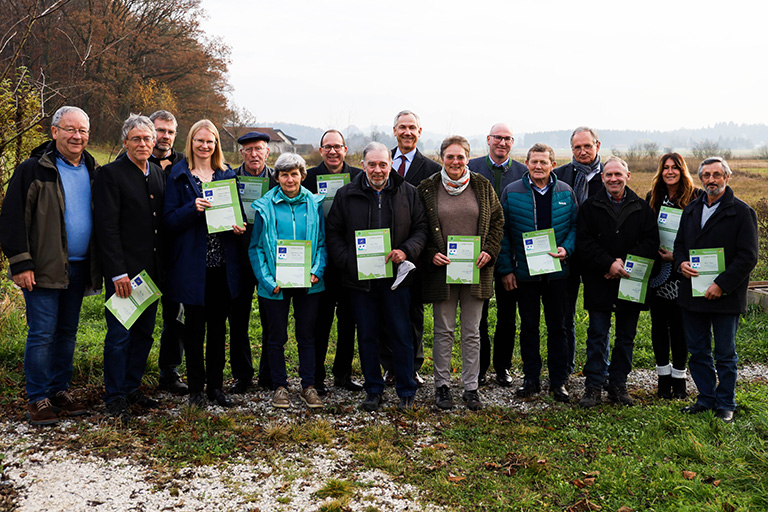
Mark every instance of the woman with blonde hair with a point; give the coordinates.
(204, 268)
(672, 187)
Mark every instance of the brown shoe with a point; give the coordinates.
(310, 397)
(68, 405)
(42, 413)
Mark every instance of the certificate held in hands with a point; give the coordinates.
(635, 287)
(293, 263)
(251, 188)
(669, 223)
(463, 252)
(709, 263)
(225, 205)
(372, 247)
(328, 185)
(143, 293)
(538, 245)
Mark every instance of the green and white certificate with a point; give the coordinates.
(373, 245)
(328, 185)
(536, 245)
(293, 263)
(143, 293)
(225, 205)
(251, 188)
(709, 263)
(669, 222)
(634, 287)
(463, 252)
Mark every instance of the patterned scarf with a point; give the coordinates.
(580, 185)
(455, 187)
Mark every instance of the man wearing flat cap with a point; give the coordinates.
(254, 148)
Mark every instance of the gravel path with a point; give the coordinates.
(39, 478)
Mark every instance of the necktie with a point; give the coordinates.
(401, 169)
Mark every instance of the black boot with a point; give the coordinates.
(665, 387)
(678, 388)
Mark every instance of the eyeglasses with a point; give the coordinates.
(204, 142)
(138, 140)
(335, 147)
(163, 131)
(71, 131)
(257, 149)
(714, 175)
(501, 138)
(585, 147)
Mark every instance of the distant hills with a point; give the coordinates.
(728, 136)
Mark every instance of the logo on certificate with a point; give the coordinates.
(208, 195)
(629, 267)
(529, 244)
(361, 244)
(136, 282)
(241, 188)
(282, 253)
(695, 262)
(662, 218)
(453, 248)
(322, 187)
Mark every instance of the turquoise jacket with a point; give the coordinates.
(277, 219)
(519, 206)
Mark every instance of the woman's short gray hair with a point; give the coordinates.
(137, 121)
(290, 161)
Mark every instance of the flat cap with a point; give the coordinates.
(252, 136)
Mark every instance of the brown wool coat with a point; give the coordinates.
(490, 227)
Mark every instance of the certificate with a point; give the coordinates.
(463, 252)
(709, 263)
(143, 293)
(293, 263)
(537, 245)
(225, 205)
(328, 185)
(669, 222)
(372, 247)
(251, 188)
(634, 287)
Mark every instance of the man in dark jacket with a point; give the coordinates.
(412, 165)
(335, 298)
(378, 199)
(501, 170)
(46, 225)
(583, 174)
(171, 340)
(128, 205)
(611, 224)
(716, 220)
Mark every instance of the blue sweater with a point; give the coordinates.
(78, 217)
(519, 204)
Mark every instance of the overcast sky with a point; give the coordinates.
(464, 65)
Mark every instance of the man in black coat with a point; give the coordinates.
(171, 342)
(128, 204)
(334, 301)
(715, 220)
(583, 174)
(410, 164)
(612, 223)
(378, 199)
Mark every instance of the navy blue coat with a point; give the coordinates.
(188, 229)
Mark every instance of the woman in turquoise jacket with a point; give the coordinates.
(289, 212)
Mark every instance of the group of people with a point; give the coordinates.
(66, 225)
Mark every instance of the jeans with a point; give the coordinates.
(553, 295)
(171, 340)
(706, 372)
(445, 327)
(52, 318)
(416, 314)
(598, 344)
(372, 310)
(334, 300)
(304, 316)
(569, 319)
(126, 350)
(504, 338)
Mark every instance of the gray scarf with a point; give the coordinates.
(580, 185)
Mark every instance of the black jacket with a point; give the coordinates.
(603, 236)
(356, 207)
(421, 168)
(733, 227)
(128, 219)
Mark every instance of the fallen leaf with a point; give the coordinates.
(609, 450)
(716, 483)
(578, 483)
(689, 475)
(455, 479)
(440, 446)
(589, 481)
(492, 465)
(625, 509)
(22, 475)
(541, 461)
(591, 473)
